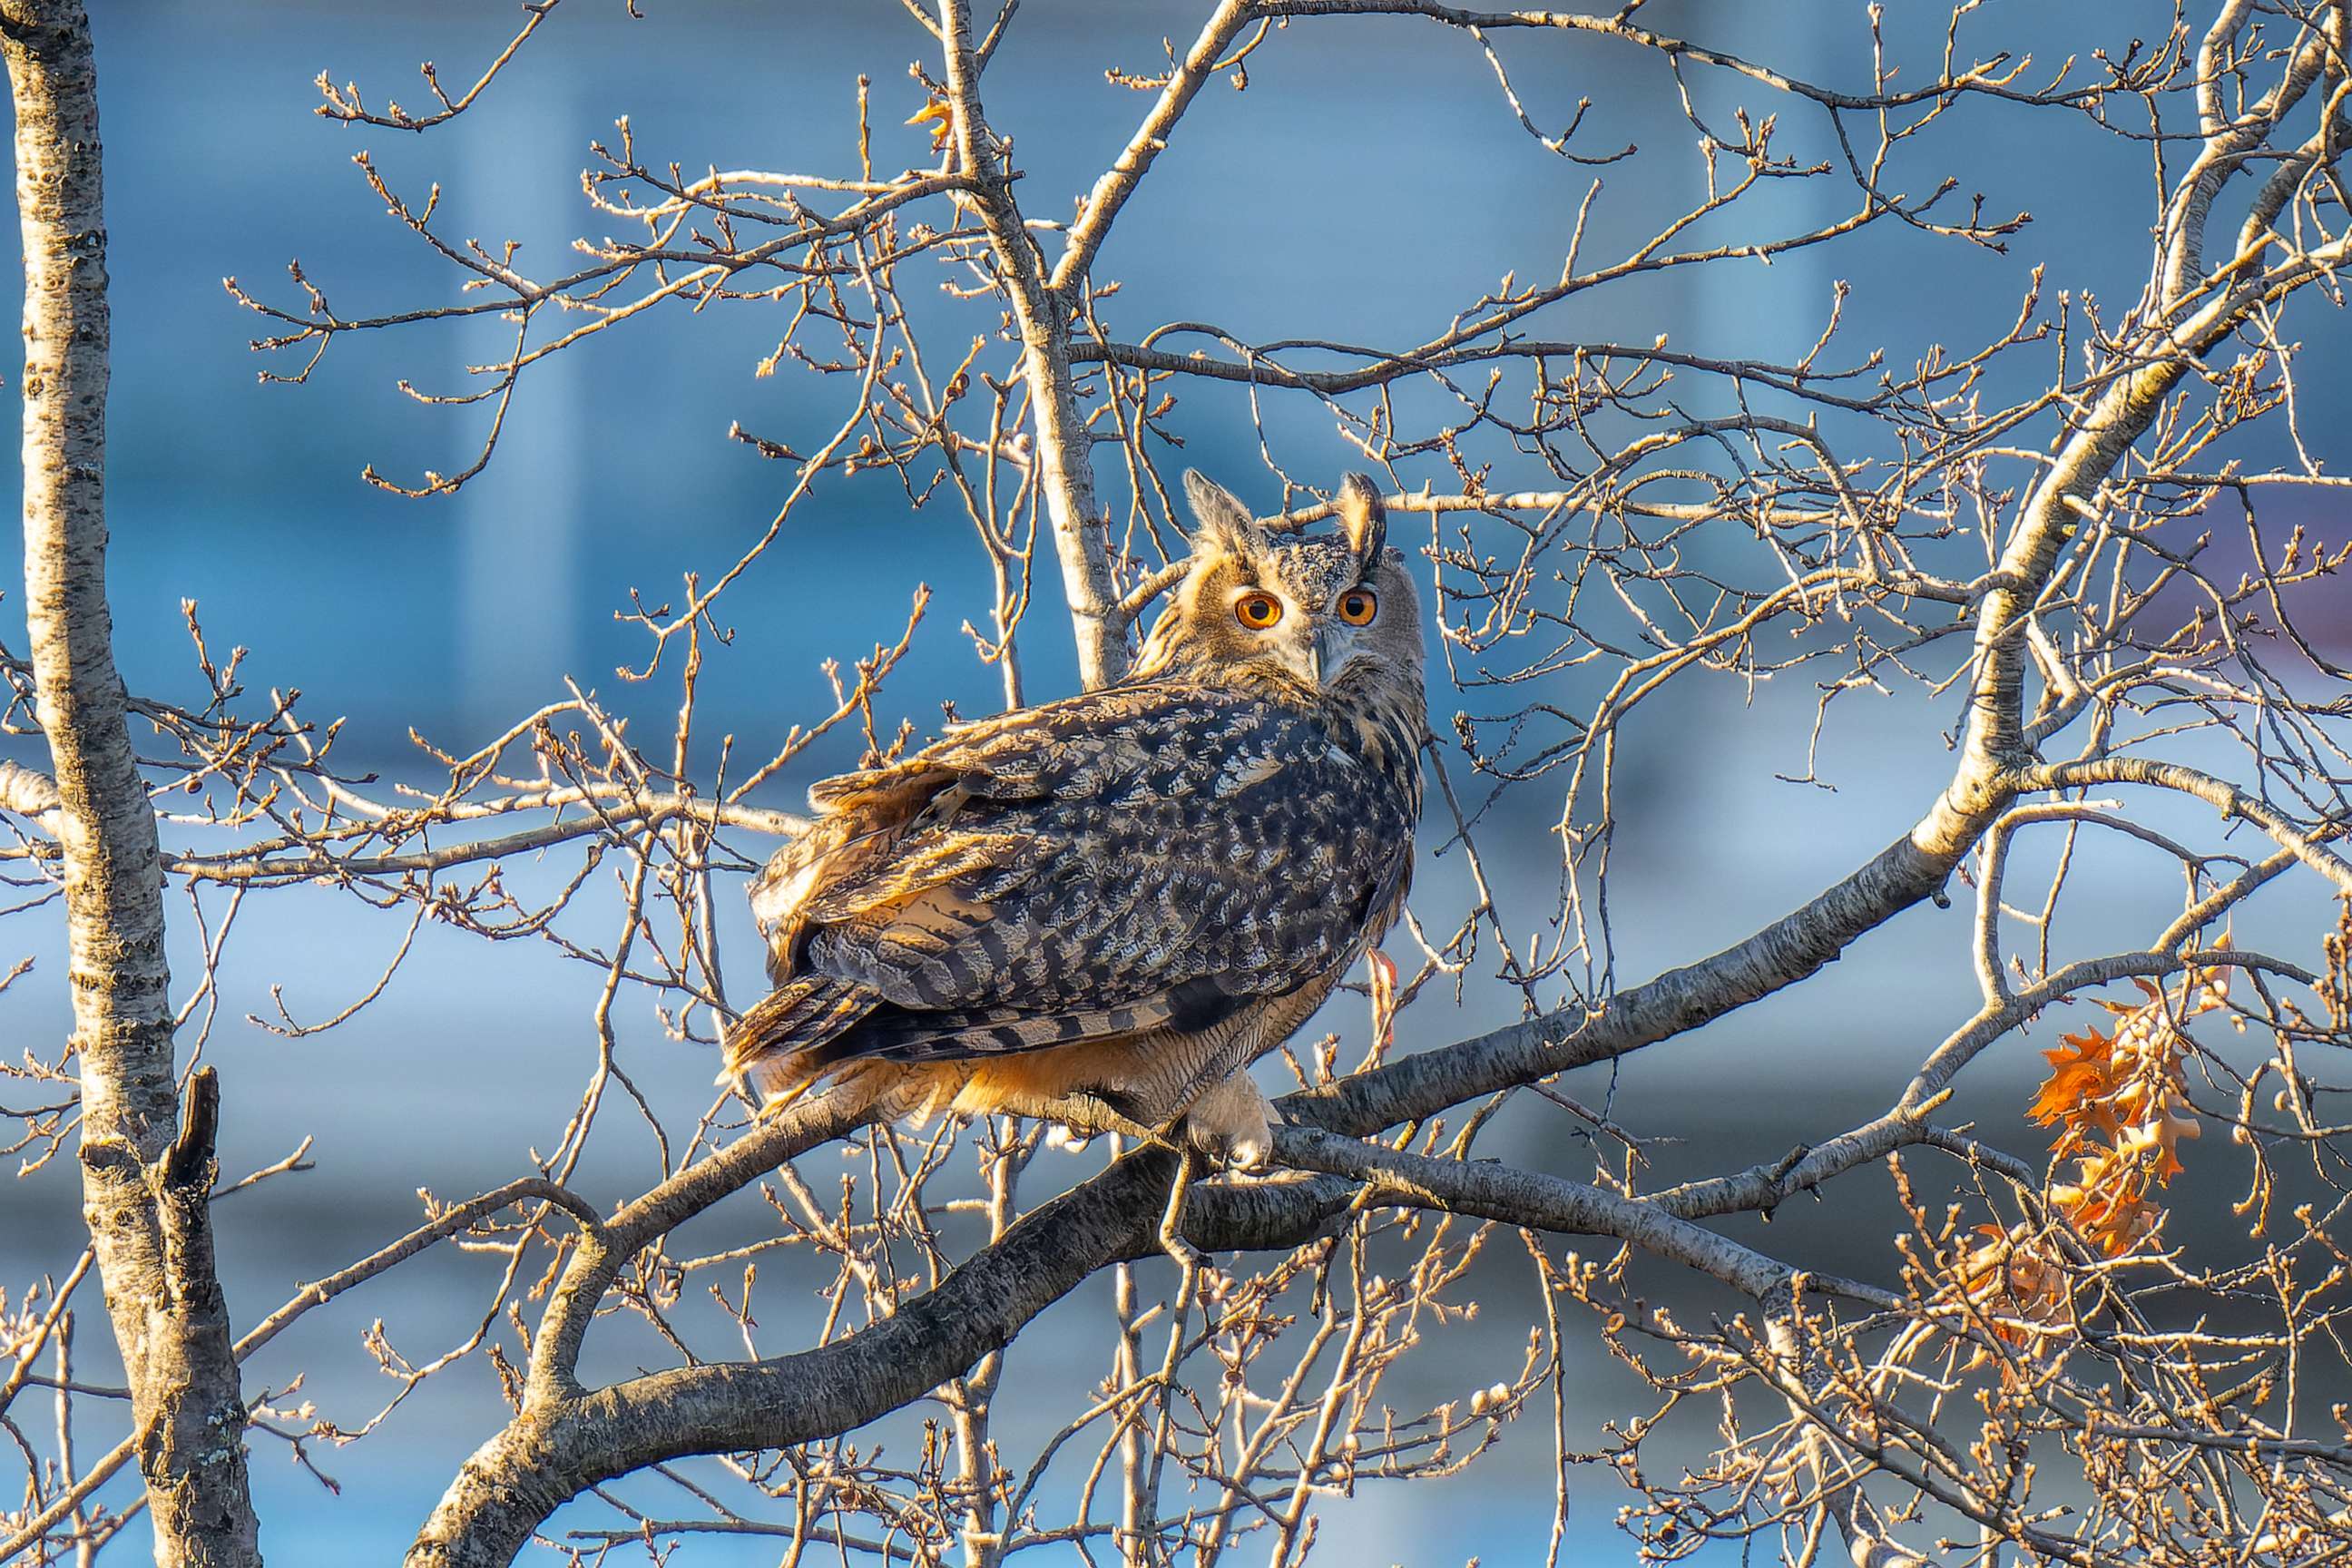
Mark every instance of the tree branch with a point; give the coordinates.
(1538, 1202)
(1063, 465)
(2220, 793)
(146, 1182)
(1119, 182)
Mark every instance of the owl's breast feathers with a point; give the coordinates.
(1132, 865)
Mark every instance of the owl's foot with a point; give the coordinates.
(1068, 1139)
(1233, 1121)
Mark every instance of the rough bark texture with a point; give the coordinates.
(561, 1446)
(146, 1180)
(2037, 665)
(566, 1440)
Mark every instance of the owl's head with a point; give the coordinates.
(1335, 615)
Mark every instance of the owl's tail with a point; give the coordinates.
(779, 1050)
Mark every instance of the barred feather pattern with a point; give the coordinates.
(1113, 900)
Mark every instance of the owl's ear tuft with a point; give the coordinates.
(1221, 523)
(1363, 517)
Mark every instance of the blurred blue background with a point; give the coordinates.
(1369, 185)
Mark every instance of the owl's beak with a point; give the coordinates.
(1302, 657)
(1315, 660)
(1326, 657)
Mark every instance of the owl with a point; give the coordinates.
(1102, 910)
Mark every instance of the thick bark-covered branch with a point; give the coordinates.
(555, 1449)
(568, 1438)
(29, 795)
(563, 1443)
(1793, 947)
(147, 1179)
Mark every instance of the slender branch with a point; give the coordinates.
(450, 1222)
(65, 1502)
(2229, 799)
(1150, 139)
(1538, 1202)
(1062, 465)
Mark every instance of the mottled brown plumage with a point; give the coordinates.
(1102, 910)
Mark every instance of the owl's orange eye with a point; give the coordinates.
(1359, 605)
(1257, 611)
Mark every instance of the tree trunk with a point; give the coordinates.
(145, 1181)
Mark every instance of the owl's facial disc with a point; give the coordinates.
(1312, 608)
(1328, 611)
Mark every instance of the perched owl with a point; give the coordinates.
(1103, 910)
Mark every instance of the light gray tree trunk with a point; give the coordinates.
(145, 1180)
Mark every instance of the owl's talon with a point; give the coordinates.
(1233, 1124)
(1069, 1143)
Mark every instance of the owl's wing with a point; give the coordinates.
(1142, 857)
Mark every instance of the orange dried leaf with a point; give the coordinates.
(940, 117)
(2082, 1074)
(2120, 1104)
